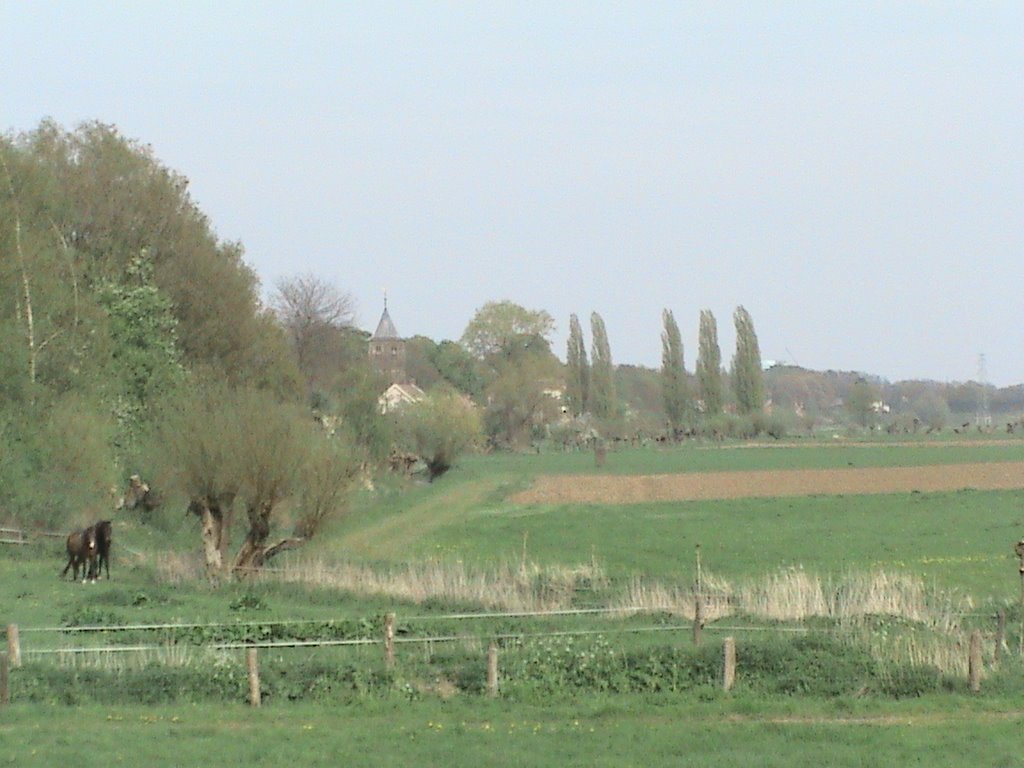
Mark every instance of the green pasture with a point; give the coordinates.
(624, 731)
(957, 540)
(711, 457)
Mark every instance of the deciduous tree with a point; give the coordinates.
(499, 325)
(440, 428)
(747, 375)
(603, 400)
(577, 370)
(709, 364)
(674, 389)
(315, 316)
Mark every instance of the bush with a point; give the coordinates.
(439, 429)
(910, 681)
(814, 664)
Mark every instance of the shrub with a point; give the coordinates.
(813, 664)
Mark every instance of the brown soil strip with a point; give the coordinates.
(637, 489)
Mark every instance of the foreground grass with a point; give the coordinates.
(621, 732)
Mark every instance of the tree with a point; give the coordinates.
(225, 447)
(81, 207)
(577, 370)
(517, 397)
(314, 315)
(709, 365)
(420, 352)
(498, 325)
(603, 402)
(144, 348)
(860, 400)
(459, 368)
(515, 365)
(747, 375)
(272, 449)
(194, 441)
(440, 428)
(326, 482)
(932, 410)
(114, 290)
(673, 375)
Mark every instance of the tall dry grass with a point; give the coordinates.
(793, 594)
(523, 586)
(926, 630)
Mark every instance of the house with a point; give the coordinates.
(398, 395)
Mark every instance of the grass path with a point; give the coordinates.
(394, 535)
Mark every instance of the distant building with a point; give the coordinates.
(387, 350)
(397, 395)
(387, 358)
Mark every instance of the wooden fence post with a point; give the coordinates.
(252, 662)
(13, 645)
(1000, 636)
(5, 677)
(728, 663)
(492, 669)
(974, 661)
(389, 640)
(698, 618)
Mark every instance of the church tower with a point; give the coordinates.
(387, 350)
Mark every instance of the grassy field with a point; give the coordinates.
(959, 540)
(621, 732)
(955, 542)
(744, 457)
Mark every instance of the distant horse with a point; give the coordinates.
(81, 546)
(104, 531)
(138, 495)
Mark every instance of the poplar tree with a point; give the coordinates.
(747, 378)
(709, 364)
(577, 376)
(673, 374)
(602, 382)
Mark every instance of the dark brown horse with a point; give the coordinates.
(104, 531)
(81, 546)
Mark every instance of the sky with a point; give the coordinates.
(850, 172)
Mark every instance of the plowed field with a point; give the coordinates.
(635, 489)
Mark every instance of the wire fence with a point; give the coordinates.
(169, 629)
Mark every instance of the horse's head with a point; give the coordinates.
(89, 541)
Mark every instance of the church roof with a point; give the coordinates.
(385, 328)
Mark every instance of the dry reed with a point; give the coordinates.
(795, 595)
(519, 587)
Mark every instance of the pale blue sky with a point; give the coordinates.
(852, 173)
